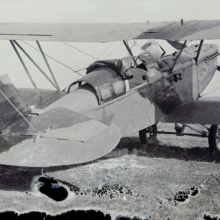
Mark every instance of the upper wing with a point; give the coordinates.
(203, 111)
(106, 32)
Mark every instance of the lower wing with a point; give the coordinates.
(202, 111)
(63, 137)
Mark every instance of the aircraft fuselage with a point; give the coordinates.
(147, 98)
(104, 107)
(154, 93)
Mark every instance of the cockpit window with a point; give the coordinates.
(154, 49)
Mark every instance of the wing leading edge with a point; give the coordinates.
(107, 32)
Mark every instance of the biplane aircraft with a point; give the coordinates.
(115, 98)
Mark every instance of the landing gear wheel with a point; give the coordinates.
(143, 136)
(214, 138)
(147, 136)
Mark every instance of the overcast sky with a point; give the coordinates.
(87, 11)
(107, 10)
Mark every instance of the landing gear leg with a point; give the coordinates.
(148, 135)
(214, 138)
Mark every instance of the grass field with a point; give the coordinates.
(178, 178)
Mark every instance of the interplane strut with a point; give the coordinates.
(26, 70)
(55, 84)
(41, 50)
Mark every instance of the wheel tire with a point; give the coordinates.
(214, 138)
(143, 136)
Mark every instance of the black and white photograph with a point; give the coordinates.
(109, 109)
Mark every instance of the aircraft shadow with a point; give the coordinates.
(20, 178)
(159, 150)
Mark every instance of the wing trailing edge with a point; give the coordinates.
(80, 143)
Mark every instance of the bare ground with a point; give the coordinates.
(178, 178)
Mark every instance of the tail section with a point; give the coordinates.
(8, 93)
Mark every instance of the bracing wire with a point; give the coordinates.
(80, 50)
(82, 69)
(134, 43)
(138, 47)
(114, 50)
(75, 71)
(210, 92)
(17, 110)
(106, 49)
